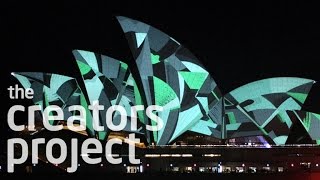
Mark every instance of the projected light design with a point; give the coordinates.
(174, 78)
(169, 75)
(257, 108)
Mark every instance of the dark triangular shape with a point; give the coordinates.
(276, 98)
(305, 88)
(298, 135)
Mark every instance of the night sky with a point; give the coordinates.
(237, 43)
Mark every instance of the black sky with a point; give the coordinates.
(238, 43)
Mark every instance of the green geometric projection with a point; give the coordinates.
(178, 79)
(84, 68)
(155, 59)
(232, 118)
(169, 75)
(163, 93)
(301, 97)
(194, 79)
(262, 107)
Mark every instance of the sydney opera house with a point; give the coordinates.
(258, 127)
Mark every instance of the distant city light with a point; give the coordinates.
(152, 155)
(317, 165)
(124, 165)
(176, 155)
(243, 165)
(186, 155)
(212, 155)
(165, 155)
(292, 165)
(170, 165)
(195, 165)
(148, 165)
